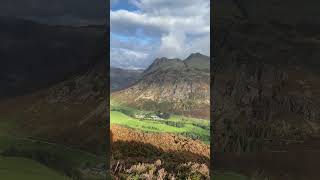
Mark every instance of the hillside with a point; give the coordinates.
(161, 153)
(172, 85)
(266, 88)
(35, 56)
(53, 100)
(265, 83)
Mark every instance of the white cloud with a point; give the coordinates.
(127, 59)
(182, 27)
(172, 44)
(192, 25)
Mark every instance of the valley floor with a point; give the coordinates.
(194, 128)
(165, 145)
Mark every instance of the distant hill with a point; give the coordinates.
(173, 85)
(123, 78)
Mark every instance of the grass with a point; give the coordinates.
(187, 126)
(30, 145)
(60, 159)
(21, 168)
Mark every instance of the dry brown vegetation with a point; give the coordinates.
(141, 155)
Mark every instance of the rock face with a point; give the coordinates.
(172, 85)
(35, 56)
(265, 90)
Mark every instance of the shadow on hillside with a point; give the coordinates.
(293, 165)
(134, 152)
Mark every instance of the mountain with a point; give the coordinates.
(34, 55)
(172, 85)
(198, 61)
(53, 96)
(123, 78)
(265, 89)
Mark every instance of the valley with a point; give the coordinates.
(187, 126)
(163, 118)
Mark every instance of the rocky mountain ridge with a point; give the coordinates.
(172, 85)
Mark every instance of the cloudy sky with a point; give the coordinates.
(142, 30)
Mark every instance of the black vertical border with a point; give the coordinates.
(107, 65)
(212, 70)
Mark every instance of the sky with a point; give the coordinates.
(142, 30)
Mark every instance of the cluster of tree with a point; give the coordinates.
(163, 115)
(175, 124)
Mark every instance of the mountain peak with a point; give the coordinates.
(198, 61)
(164, 59)
(164, 64)
(196, 55)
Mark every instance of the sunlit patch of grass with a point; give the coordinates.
(20, 168)
(191, 127)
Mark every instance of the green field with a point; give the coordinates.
(187, 126)
(12, 168)
(62, 160)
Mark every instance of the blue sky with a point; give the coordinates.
(142, 30)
